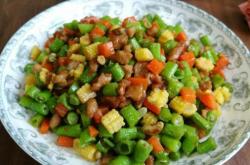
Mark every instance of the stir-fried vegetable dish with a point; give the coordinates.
(127, 92)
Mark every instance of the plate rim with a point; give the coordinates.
(4, 55)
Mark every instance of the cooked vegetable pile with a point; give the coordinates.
(130, 92)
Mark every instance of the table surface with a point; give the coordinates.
(15, 13)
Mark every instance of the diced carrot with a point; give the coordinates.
(188, 94)
(155, 143)
(48, 66)
(155, 66)
(44, 127)
(61, 110)
(65, 141)
(71, 42)
(219, 71)
(139, 81)
(181, 37)
(207, 99)
(222, 62)
(188, 57)
(106, 23)
(62, 61)
(151, 107)
(97, 32)
(98, 116)
(93, 131)
(106, 49)
(128, 19)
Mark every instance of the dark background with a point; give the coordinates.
(14, 13)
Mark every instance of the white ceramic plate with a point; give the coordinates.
(231, 132)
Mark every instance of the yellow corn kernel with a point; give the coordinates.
(74, 48)
(204, 64)
(226, 94)
(158, 97)
(78, 71)
(85, 93)
(43, 75)
(35, 51)
(30, 79)
(219, 96)
(113, 121)
(87, 152)
(77, 58)
(91, 51)
(143, 54)
(149, 119)
(85, 40)
(50, 85)
(165, 36)
(101, 60)
(182, 107)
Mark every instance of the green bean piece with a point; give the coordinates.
(41, 57)
(36, 120)
(103, 132)
(208, 55)
(160, 22)
(174, 131)
(172, 144)
(140, 134)
(161, 158)
(177, 29)
(165, 114)
(229, 86)
(64, 100)
(51, 104)
(145, 43)
(68, 130)
(28, 68)
(131, 62)
(102, 147)
(56, 45)
(125, 147)
(155, 48)
(141, 151)
(63, 51)
(205, 40)
(117, 72)
(186, 69)
(31, 104)
(86, 121)
(43, 96)
(177, 119)
(196, 73)
(174, 87)
(126, 134)
(175, 156)
(206, 146)
(169, 45)
(72, 118)
(73, 99)
(73, 87)
(85, 28)
(130, 114)
(101, 39)
(120, 160)
(189, 144)
(169, 70)
(86, 77)
(106, 17)
(85, 138)
(217, 81)
(115, 21)
(179, 74)
(139, 34)
(32, 91)
(110, 89)
(134, 43)
(194, 47)
(200, 121)
(73, 25)
(190, 131)
(211, 117)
